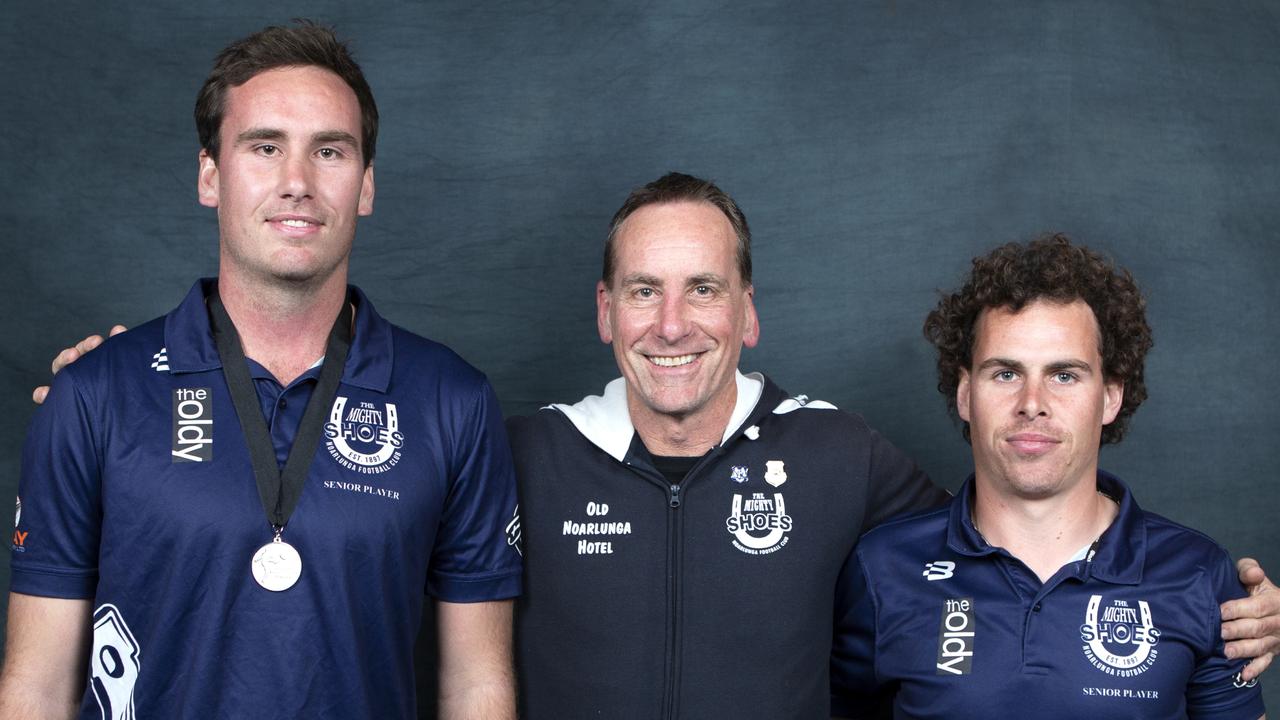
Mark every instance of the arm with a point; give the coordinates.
(1252, 624)
(477, 681)
(46, 657)
(856, 689)
(70, 355)
(1217, 688)
(895, 485)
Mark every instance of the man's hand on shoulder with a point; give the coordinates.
(70, 355)
(1252, 624)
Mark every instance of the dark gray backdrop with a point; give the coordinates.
(875, 146)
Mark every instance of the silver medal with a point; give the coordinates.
(276, 565)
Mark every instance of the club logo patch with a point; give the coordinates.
(738, 474)
(364, 438)
(774, 472)
(1119, 639)
(192, 425)
(759, 524)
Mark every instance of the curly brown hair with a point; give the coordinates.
(1049, 268)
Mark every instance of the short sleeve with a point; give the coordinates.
(476, 554)
(1214, 691)
(855, 689)
(58, 517)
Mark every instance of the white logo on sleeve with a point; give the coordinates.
(113, 665)
(939, 570)
(514, 535)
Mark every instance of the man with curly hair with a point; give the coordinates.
(1042, 589)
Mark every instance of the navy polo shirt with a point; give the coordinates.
(137, 492)
(955, 628)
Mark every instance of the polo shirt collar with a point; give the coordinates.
(1121, 551)
(188, 339)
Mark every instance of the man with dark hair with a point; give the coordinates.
(234, 511)
(1042, 590)
(683, 531)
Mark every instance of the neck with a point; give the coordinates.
(682, 435)
(1044, 533)
(285, 329)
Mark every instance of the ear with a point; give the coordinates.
(603, 303)
(750, 328)
(366, 192)
(1112, 399)
(962, 395)
(207, 180)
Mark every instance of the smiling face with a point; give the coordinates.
(289, 181)
(678, 313)
(1036, 399)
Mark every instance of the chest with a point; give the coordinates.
(977, 634)
(177, 471)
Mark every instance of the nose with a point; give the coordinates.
(295, 177)
(1032, 402)
(673, 318)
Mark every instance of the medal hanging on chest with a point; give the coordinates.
(277, 565)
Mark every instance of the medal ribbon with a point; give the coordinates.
(279, 491)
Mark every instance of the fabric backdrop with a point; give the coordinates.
(875, 147)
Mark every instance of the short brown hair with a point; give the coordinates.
(304, 44)
(1050, 268)
(677, 187)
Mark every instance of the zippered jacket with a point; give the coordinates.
(710, 598)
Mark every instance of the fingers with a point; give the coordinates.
(70, 355)
(1251, 573)
(1256, 666)
(73, 353)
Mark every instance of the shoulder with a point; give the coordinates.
(909, 533)
(417, 357)
(819, 420)
(138, 352)
(548, 423)
(1187, 548)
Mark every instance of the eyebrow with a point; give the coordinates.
(335, 136)
(641, 279)
(322, 137)
(260, 134)
(708, 279)
(1053, 367)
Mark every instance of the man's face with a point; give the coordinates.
(678, 313)
(290, 179)
(1035, 398)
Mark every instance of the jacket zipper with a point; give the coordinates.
(671, 692)
(673, 563)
